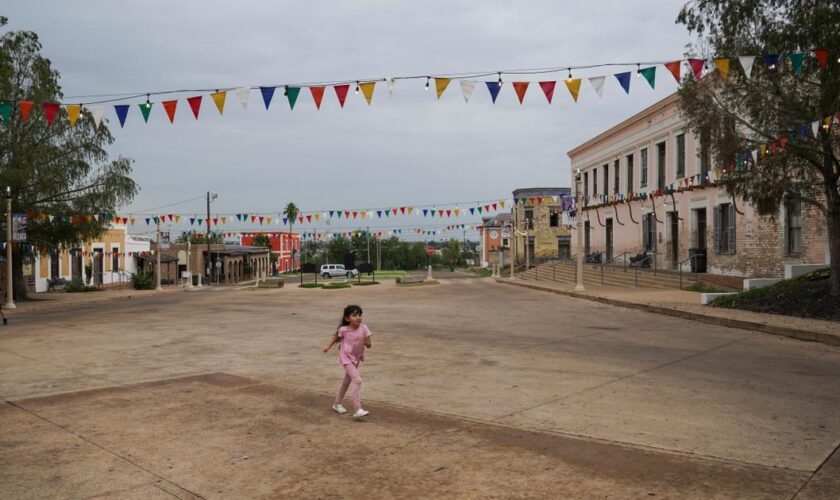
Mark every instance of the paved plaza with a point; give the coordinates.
(476, 389)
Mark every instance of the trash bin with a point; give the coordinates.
(698, 261)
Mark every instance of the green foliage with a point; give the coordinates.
(143, 280)
(76, 286)
(197, 238)
(452, 253)
(311, 285)
(366, 283)
(335, 285)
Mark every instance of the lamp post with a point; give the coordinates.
(207, 221)
(157, 268)
(10, 302)
(578, 216)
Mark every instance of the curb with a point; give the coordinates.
(780, 331)
(82, 303)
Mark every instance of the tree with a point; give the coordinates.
(739, 114)
(197, 238)
(262, 240)
(57, 169)
(452, 253)
(291, 212)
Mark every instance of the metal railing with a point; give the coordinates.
(638, 263)
(612, 260)
(692, 265)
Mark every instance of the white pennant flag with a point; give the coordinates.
(52, 217)
(747, 64)
(755, 155)
(467, 87)
(815, 127)
(243, 93)
(598, 84)
(391, 86)
(97, 112)
(96, 216)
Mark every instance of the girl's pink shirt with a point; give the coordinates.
(351, 350)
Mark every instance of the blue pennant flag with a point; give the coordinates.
(331, 213)
(267, 93)
(379, 213)
(472, 210)
(285, 220)
(425, 211)
(772, 62)
(494, 88)
(192, 220)
(122, 112)
(239, 217)
(624, 80)
(147, 221)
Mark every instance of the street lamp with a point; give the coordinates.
(10, 303)
(578, 216)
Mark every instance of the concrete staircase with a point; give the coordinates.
(565, 272)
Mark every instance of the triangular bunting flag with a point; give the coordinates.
(674, 68)
(772, 62)
(747, 64)
(367, 90)
(219, 100)
(145, 109)
(267, 94)
(467, 88)
(292, 95)
(597, 83)
(697, 66)
(624, 80)
(170, 107)
(341, 93)
(50, 109)
(650, 75)
(548, 89)
(25, 108)
(244, 94)
(6, 111)
(494, 88)
(195, 104)
(573, 84)
(822, 57)
(440, 85)
(796, 61)
(722, 64)
(317, 95)
(73, 111)
(520, 88)
(122, 113)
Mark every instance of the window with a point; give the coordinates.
(705, 155)
(643, 178)
(793, 227)
(553, 218)
(680, 156)
(649, 232)
(504, 242)
(595, 181)
(630, 173)
(585, 184)
(115, 259)
(725, 228)
(529, 218)
(660, 165)
(616, 171)
(54, 259)
(606, 169)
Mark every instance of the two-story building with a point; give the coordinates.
(648, 187)
(539, 226)
(494, 235)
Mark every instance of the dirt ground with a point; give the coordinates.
(476, 390)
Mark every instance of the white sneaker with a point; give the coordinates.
(361, 413)
(339, 409)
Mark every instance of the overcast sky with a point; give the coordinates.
(408, 149)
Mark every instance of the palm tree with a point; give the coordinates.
(291, 212)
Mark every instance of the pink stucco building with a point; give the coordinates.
(654, 160)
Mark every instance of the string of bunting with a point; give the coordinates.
(678, 68)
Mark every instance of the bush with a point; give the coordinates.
(143, 280)
(366, 283)
(311, 285)
(333, 286)
(76, 285)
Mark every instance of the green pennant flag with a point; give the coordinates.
(796, 61)
(650, 75)
(292, 95)
(387, 212)
(146, 108)
(6, 111)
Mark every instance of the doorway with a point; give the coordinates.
(564, 247)
(609, 240)
(586, 239)
(675, 238)
(98, 266)
(700, 217)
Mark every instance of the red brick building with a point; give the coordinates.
(285, 246)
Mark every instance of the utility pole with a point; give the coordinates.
(368, 244)
(157, 268)
(189, 254)
(578, 216)
(209, 256)
(10, 302)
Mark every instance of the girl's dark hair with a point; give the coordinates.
(349, 310)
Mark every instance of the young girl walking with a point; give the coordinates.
(353, 337)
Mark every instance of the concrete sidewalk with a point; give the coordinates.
(59, 300)
(685, 304)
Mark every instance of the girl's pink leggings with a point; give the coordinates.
(351, 375)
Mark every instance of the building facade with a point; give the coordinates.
(494, 235)
(285, 247)
(541, 230)
(647, 187)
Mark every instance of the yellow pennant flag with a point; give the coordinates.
(132, 221)
(502, 203)
(317, 216)
(367, 90)
(722, 64)
(440, 85)
(456, 211)
(574, 87)
(73, 111)
(224, 220)
(410, 209)
(268, 220)
(177, 219)
(219, 99)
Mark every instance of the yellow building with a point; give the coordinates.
(540, 228)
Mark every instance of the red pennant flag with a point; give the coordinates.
(216, 221)
(440, 213)
(448, 213)
(822, 57)
(355, 214)
(50, 109)
(346, 214)
(531, 200)
(125, 220)
(25, 108)
(253, 218)
(697, 66)
(300, 219)
(402, 210)
(674, 68)
(520, 88)
(195, 104)
(309, 218)
(486, 208)
(494, 206)
(539, 200)
(317, 95)
(548, 89)
(171, 217)
(261, 219)
(341, 92)
(170, 106)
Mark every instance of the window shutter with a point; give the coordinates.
(731, 220)
(645, 233)
(717, 230)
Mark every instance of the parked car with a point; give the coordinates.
(333, 270)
